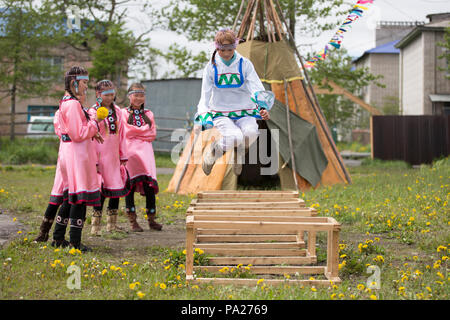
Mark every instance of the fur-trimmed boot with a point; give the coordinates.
(111, 221)
(151, 221)
(96, 229)
(132, 218)
(44, 230)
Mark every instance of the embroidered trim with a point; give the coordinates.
(229, 81)
(206, 119)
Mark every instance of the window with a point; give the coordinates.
(41, 111)
(446, 109)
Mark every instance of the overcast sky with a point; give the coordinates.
(359, 39)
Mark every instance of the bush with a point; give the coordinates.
(28, 150)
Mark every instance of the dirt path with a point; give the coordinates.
(8, 228)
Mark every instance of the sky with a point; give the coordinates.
(359, 39)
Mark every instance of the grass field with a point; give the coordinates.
(392, 216)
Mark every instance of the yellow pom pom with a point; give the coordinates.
(102, 113)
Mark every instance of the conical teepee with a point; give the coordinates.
(308, 154)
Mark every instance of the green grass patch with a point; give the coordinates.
(395, 224)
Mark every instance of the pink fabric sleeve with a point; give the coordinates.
(56, 124)
(78, 128)
(123, 153)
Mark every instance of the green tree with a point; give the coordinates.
(338, 110)
(27, 39)
(104, 38)
(185, 67)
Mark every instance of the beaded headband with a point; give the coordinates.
(108, 91)
(136, 91)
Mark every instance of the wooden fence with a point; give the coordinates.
(413, 139)
(17, 125)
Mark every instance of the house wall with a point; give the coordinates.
(385, 64)
(412, 78)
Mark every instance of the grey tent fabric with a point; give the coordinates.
(310, 160)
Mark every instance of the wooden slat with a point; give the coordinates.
(211, 231)
(262, 260)
(249, 245)
(269, 269)
(261, 200)
(275, 227)
(244, 205)
(243, 218)
(256, 252)
(245, 238)
(250, 195)
(234, 192)
(239, 216)
(253, 282)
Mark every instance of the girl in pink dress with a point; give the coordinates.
(78, 161)
(140, 131)
(59, 195)
(112, 157)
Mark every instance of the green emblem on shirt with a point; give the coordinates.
(229, 79)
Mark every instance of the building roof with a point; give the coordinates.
(384, 48)
(439, 25)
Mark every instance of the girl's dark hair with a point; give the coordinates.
(138, 86)
(213, 58)
(105, 84)
(71, 75)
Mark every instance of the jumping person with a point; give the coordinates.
(140, 131)
(111, 155)
(229, 83)
(78, 162)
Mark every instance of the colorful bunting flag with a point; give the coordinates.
(336, 40)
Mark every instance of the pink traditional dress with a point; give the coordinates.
(115, 182)
(79, 159)
(141, 160)
(60, 188)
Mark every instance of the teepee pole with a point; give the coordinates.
(262, 30)
(238, 15)
(291, 148)
(244, 23)
(315, 104)
(270, 32)
(251, 30)
(277, 22)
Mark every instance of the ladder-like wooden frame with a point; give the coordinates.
(261, 228)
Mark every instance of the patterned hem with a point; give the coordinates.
(116, 193)
(206, 120)
(59, 199)
(139, 180)
(88, 198)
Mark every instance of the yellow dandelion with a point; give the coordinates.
(373, 297)
(163, 286)
(140, 294)
(259, 281)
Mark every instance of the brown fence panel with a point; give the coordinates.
(413, 139)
